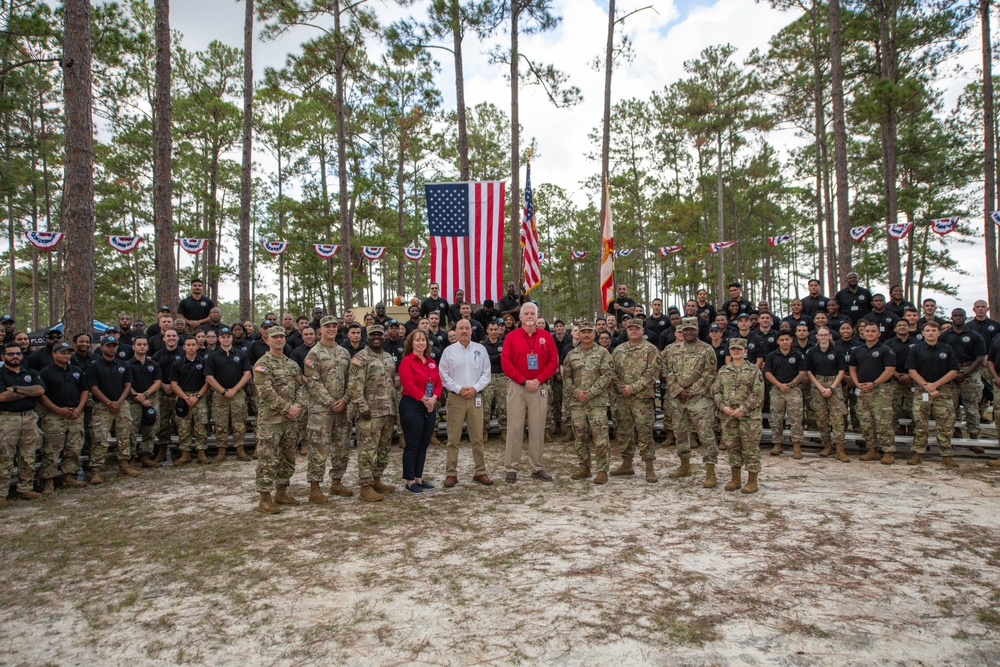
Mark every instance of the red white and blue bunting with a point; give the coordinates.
(859, 233)
(579, 254)
(670, 249)
(44, 240)
(777, 240)
(900, 229)
(721, 245)
(326, 250)
(193, 246)
(414, 253)
(372, 252)
(125, 244)
(944, 226)
(274, 247)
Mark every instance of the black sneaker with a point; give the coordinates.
(511, 478)
(542, 475)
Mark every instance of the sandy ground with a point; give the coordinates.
(829, 564)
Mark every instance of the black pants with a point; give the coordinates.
(418, 426)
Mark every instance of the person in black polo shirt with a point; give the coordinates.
(196, 308)
(622, 304)
(814, 302)
(826, 369)
(735, 296)
(896, 303)
(785, 370)
(110, 381)
(187, 379)
(882, 317)
(872, 366)
(495, 393)
(930, 315)
(902, 383)
(988, 328)
(855, 302)
(933, 366)
(19, 436)
(434, 304)
(227, 372)
(147, 378)
(308, 338)
(510, 303)
(62, 422)
(970, 349)
(42, 357)
(414, 321)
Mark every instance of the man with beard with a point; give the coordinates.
(19, 436)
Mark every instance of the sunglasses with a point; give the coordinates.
(13, 354)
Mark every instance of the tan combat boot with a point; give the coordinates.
(202, 459)
(503, 435)
(221, 455)
(48, 489)
(948, 462)
(370, 494)
(581, 473)
(338, 489)
(281, 496)
(434, 441)
(650, 473)
(184, 459)
(146, 461)
(266, 505)
(683, 471)
(841, 454)
(95, 476)
(241, 453)
(161, 454)
(382, 488)
(316, 494)
(737, 481)
(776, 450)
(915, 459)
(304, 450)
(827, 448)
(624, 469)
(710, 480)
(751, 485)
(71, 482)
(995, 463)
(3, 502)
(486, 435)
(870, 455)
(125, 469)
(567, 435)
(796, 450)
(888, 459)
(29, 495)
(602, 478)
(548, 435)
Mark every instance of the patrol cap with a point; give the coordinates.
(634, 322)
(8, 318)
(688, 323)
(149, 416)
(715, 327)
(109, 340)
(329, 319)
(586, 326)
(738, 343)
(274, 332)
(225, 331)
(61, 347)
(392, 323)
(375, 329)
(742, 315)
(164, 309)
(266, 323)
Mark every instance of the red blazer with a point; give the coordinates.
(414, 375)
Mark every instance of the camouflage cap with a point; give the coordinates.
(738, 343)
(634, 322)
(375, 329)
(274, 332)
(585, 326)
(329, 319)
(688, 323)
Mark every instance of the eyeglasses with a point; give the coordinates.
(13, 354)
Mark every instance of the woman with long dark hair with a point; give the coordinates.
(421, 383)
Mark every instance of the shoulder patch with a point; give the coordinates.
(356, 361)
(260, 368)
(310, 362)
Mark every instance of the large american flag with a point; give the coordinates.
(466, 222)
(529, 240)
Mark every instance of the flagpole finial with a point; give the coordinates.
(527, 156)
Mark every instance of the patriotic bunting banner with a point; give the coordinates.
(44, 240)
(721, 245)
(995, 217)
(542, 255)
(274, 247)
(944, 226)
(670, 249)
(193, 246)
(414, 253)
(858, 233)
(624, 252)
(124, 243)
(776, 240)
(900, 229)
(579, 254)
(325, 250)
(372, 252)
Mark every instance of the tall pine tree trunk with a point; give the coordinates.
(515, 155)
(340, 57)
(165, 278)
(839, 146)
(463, 128)
(246, 172)
(606, 129)
(887, 32)
(989, 164)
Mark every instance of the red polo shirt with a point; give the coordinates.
(517, 345)
(414, 375)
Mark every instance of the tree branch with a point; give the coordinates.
(9, 68)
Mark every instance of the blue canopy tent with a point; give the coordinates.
(37, 338)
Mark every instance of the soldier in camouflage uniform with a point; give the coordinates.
(739, 393)
(326, 370)
(62, 423)
(785, 369)
(110, 382)
(690, 372)
(371, 388)
(826, 369)
(933, 365)
(19, 436)
(187, 379)
(495, 394)
(228, 371)
(636, 367)
(587, 373)
(281, 392)
(872, 366)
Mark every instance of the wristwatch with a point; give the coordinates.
(197, 395)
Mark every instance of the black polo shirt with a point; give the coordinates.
(784, 367)
(351, 350)
(110, 377)
(967, 345)
(167, 358)
(23, 378)
(812, 305)
(298, 355)
(189, 375)
(293, 339)
(656, 325)
(144, 374)
(827, 363)
(195, 309)
(227, 367)
(394, 348)
(833, 323)
(796, 321)
(769, 340)
(845, 347)
(409, 326)
(744, 307)
(124, 352)
(706, 312)
(886, 322)
(38, 359)
(902, 350)
(854, 305)
(84, 362)
(64, 385)
(667, 337)
(493, 350)
(439, 306)
(508, 302)
(872, 361)
(932, 362)
(721, 352)
(439, 339)
(923, 320)
(897, 309)
(986, 328)
(208, 326)
(624, 302)
(455, 312)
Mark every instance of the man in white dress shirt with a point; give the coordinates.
(465, 372)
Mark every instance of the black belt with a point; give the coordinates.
(15, 412)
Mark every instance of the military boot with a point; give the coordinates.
(281, 496)
(48, 489)
(581, 473)
(888, 459)
(796, 450)
(316, 494)
(338, 489)
(650, 473)
(841, 454)
(548, 435)
(3, 502)
(710, 480)
(370, 494)
(202, 459)
(95, 477)
(266, 505)
(870, 455)
(751, 485)
(948, 462)
(486, 434)
(995, 463)
(737, 481)
(625, 468)
(71, 482)
(915, 459)
(567, 435)
(221, 455)
(125, 469)
(29, 495)
(184, 459)
(827, 447)
(146, 461)
(602, 478)
(161, 454)
(776, 450)
(434, 441)
(382, 488)
(304, 450)
(683, 471)
(241, 453)
(503, 435)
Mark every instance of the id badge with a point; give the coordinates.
(429, 389)
(479, 401)
(925, 397)
(854, 309)
(532, 362)
(545, 392)
(857, 392)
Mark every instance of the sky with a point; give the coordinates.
(664, 37)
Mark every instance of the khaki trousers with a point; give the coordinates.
(525, 406)
(462, 410)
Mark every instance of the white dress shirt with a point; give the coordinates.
(462, 366)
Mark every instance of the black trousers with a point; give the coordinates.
(418, 427)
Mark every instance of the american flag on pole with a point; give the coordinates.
(466, 224)
(529, 239)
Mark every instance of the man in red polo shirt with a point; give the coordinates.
(529, 358)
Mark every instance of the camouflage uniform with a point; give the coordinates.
(551, 418)
(942, 411)
(902, 401)
(495, 398)
(637, 366)
(61, 436)
(741, 387)
(102, 425)
(165, 418)
(279, 386)
(194, 422)
(230, 415)
(147, 433)
(326, 372)
(590, 370)
(875, 411)
(691, 366)
(19, 436)
(968, 393)
(372, 386)
(830, 412)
